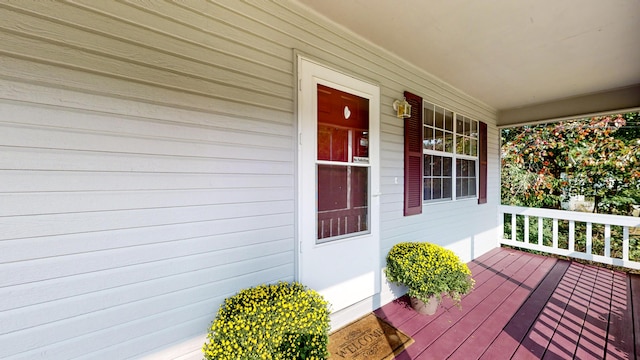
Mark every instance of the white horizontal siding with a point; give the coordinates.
(53, 180)
(147, 166)
(214, 269)
(146, 176)
(241, 242)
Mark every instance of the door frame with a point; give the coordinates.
(339, 80)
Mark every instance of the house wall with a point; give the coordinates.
(147, 167)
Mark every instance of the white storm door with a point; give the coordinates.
(338, 174)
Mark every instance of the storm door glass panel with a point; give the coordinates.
(342, 165)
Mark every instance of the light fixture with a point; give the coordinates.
(402, 108)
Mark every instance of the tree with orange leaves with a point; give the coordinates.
(597, 157)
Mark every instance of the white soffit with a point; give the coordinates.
(506, 53)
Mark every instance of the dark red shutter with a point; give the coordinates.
(482, 154)
(413, 162)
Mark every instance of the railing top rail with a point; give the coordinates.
(618, 220)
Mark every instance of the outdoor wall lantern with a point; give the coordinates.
(402, 108)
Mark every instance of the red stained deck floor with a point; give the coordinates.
(527, 306)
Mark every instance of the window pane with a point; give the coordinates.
(428, 114)
(459, 124)
(361, 144)
(472, 187)
(427, 189)
(448, 120)
(439, 124)
(465, 146)
(474, 128)
(332, 187)
(427, 165)
(439, 121)
(359, 187)
(446, 188)
(465, 178)
(464, 172)
(437, 188)
(467, 126)
(446, 166)
(437, 165)
(448, 142)
(333, 143)
(428, 138)
(343, 193)
(459, 145)
(473, 147)
(438, 140)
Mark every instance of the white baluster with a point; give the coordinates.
(589, 234)
(572, 235)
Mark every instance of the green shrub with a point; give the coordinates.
(428, 270)
(278, 321)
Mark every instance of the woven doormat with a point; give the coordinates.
(368, 338)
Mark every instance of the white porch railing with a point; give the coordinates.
(607, 239)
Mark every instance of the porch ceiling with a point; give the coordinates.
(548, 57)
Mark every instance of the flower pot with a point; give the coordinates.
(422, 308)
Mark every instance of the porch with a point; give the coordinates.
(529, 306)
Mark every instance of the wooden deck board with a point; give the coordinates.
(476, 344)
(529, 306)
(507, 342)
(535, 343)
(564, 340)
(456, 335)
(592, 340)
(448, 314)
(620, 337)
(635, 294)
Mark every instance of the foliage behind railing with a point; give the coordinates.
(607, 239)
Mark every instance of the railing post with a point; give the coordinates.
(513, 227)
(526, 229)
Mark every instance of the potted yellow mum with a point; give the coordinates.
(276, 321)
(429, 271)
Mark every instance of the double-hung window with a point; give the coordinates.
(445, 156)
(450, 155)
